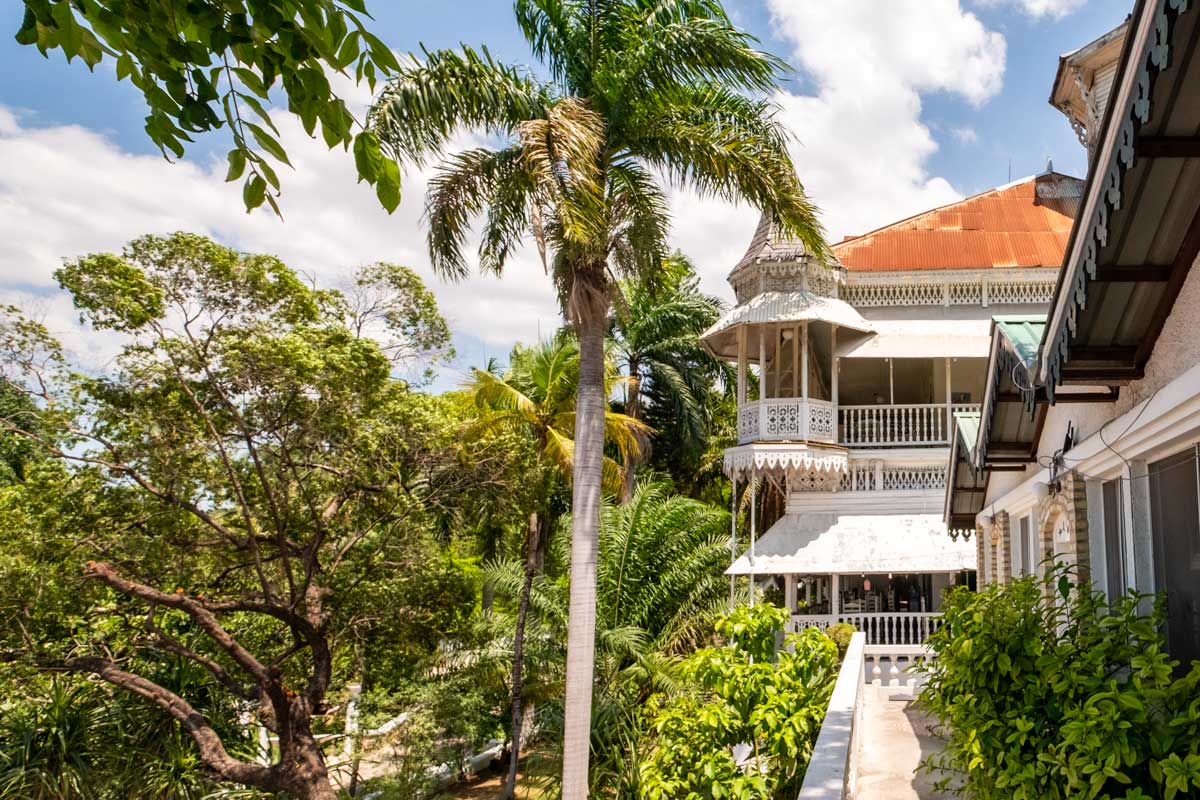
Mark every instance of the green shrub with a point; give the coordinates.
(841, 633)
(1062, 697)
(743, 693)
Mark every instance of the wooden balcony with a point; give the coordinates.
(798, 419)
(905, 628)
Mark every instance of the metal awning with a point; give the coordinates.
(1138, 231)
(919, 339)
(779, 307)
(966, 486)
(827, 543)
(1011, 416)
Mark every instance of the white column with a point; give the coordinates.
(732, 537)
(348, 742)
(777, 333)
(949, 410)
(804, 362)
(753, 531)
(796, 361)
(741, 374)
(789, 593)
(835, 595)
(834, 368)
(762, 383)
(891, 381)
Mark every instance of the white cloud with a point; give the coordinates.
(965, 135)
(862, 148)
(1037, 9)
(66, 191)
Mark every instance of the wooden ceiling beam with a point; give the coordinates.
(1189, 248)
(1168, 146)
(1132, 273)
(1121, 354)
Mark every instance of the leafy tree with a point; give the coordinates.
(671, 380)
(746, 693)
(246, 468)
(1044, 689)
(203, 65)
(659, 589)
(638, 88)
(537, 399)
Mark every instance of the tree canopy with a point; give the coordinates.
(203, 65)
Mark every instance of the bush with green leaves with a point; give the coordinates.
(1045, 690)
(840, 634)
(744, 693)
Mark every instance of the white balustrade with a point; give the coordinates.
(786, 419)
(901, 628)
(895, 425)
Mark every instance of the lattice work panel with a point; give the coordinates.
(966, 294)
(820, 421)
(783, 420)
(914, 478)
(1020, 292)
(784, 283)
(895, 294)
(747, 423)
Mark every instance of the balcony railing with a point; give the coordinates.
(786, 419)
(798, 419)
(882, 628)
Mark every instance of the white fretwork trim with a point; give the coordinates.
(950, 287)
(789, 459)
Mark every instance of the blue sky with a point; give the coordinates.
(897, 105)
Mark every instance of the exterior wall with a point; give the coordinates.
(1115, 441)
(1067, 509)
(1002, 536)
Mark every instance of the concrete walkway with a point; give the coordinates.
(892, 741)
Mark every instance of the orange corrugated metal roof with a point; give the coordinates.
(1023, 224)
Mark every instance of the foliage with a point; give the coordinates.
(841, 634)
(638, 89)
(237, 491)
(671, 380)
(536, 397)
(745, 693)
(202, 65)
(659, 588)
(68, 738)
(1044, 690)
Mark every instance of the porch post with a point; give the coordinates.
(835, 596)
(753, 530)
(834, 367)
(762, 383)
(777, 331)
(795, 361)
(891, 381)
(789, 593)
(732, 537)
(741, 368)
(804, 362)
(949, 409)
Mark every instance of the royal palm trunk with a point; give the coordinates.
(585, 527)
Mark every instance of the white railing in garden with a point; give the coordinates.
(881, 628)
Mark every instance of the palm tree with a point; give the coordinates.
(537, 398)
(659, 589)
(637, 89)
(655, 335)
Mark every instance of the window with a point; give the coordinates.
(1175, 518)
(1114, 538)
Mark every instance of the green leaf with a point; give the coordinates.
(237, 164)
(268, 142)
(125, 66)
(368, 158)
(254, 192)
(387, 189)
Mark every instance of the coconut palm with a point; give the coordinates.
(637, 89)
(536, 398)
(655, 335)
(659, 589)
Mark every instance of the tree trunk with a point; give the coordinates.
(633, 408)
(531, 569)
(585, 527)
(301, 769)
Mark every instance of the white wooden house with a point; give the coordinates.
(861, 366)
